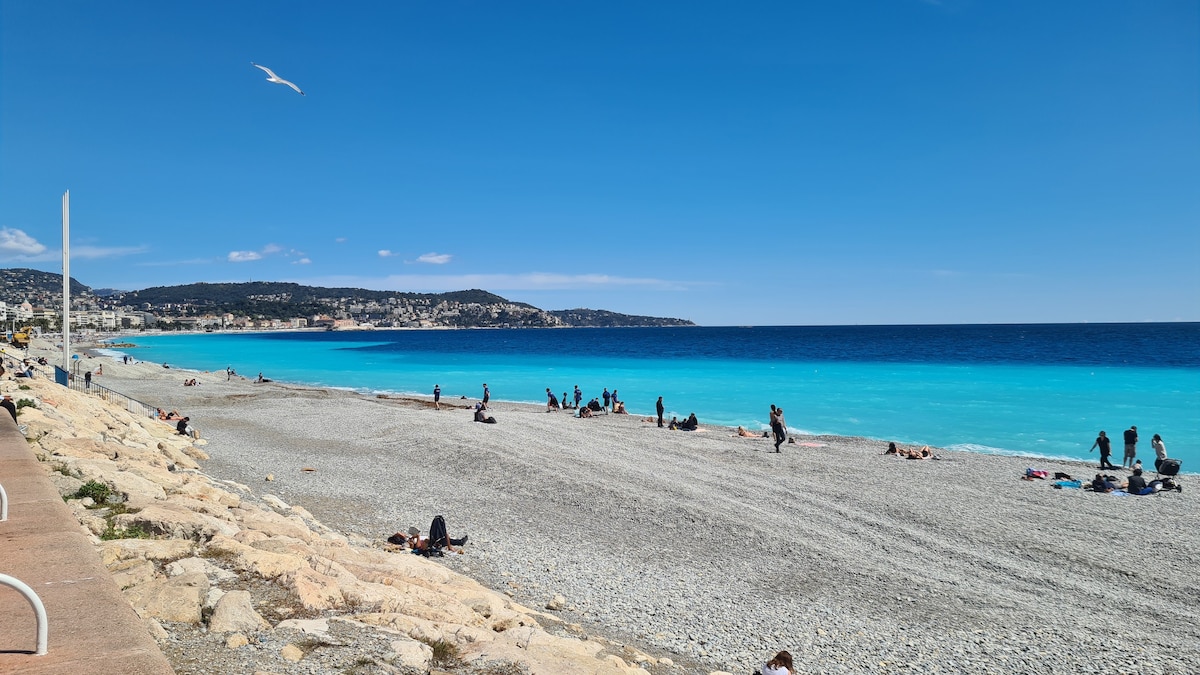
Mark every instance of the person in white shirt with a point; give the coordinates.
(780, 665)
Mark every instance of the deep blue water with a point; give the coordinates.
(1037, 389)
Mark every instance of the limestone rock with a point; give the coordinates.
(316, 591)
(410, 653)
(235, 613)
(128, 573)
(274, 524)
(263, 563)
(159, 600)
(200, 565)
(557, 602)
(236, 640)
(145, 549)
(175, 523)
(318, 627)
(156, 630)
(195, 453)
(292, 653)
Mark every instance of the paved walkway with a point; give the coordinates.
(93, 629)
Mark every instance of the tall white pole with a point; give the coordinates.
(66, 327)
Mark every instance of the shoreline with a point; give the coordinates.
(699, 545)
(95, 351)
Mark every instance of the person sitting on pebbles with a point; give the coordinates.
(481, 416)
(780, 665)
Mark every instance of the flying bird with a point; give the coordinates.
(275, 78)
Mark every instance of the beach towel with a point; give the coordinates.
(1071, 484)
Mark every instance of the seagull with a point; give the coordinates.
(275, 78)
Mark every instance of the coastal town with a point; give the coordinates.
(31, 298)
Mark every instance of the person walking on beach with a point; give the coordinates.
(607, 396)
(551, 400)
(1131, 439)
(777, 426)
(614, 400)
(487, 395)
(1160, 451)
(1105, 444)
(659, 407)
(437, 397)
(578, 397)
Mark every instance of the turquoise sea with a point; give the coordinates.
(1043, 390)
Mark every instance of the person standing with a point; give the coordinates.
(1160, 451)
(1105, 444)
(777, 428)
(437, 397)
(1131, 439)
(87, 380)
(659, 407)
(607, 397)
(578, 397)
(487, 395)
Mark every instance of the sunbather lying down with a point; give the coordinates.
(427, 544)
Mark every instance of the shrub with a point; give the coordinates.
(99, 492)
(25, 403)
(135, 532)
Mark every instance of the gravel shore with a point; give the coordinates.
(706, 547)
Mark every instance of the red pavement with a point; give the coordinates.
(92, 627)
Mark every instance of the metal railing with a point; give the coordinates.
(3, 504)
(133, 405)
(39, 611)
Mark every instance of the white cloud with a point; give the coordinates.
(14, 242)
(244, 256)
(172, 263)
(271, 248)
(340, 240)
(302, 261)
(435, 258)
(384, 253)
(533, 281)
(92, 252)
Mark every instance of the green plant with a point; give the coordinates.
(25, 403)
(24, 387)
(445, 654)
(63, 469)
(99, 492)
(135, 532)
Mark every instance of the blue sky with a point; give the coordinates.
(896, 161)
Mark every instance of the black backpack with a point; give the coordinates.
(438, 539)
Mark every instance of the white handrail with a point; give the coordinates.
(3, 504)
(39, 610)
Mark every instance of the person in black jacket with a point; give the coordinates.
(1105, 444)
(8, 405)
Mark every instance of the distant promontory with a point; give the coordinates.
(33, 297)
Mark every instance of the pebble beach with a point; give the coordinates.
(711, 549)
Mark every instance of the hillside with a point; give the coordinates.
(182, 306)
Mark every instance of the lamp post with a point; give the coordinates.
(66, 235)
